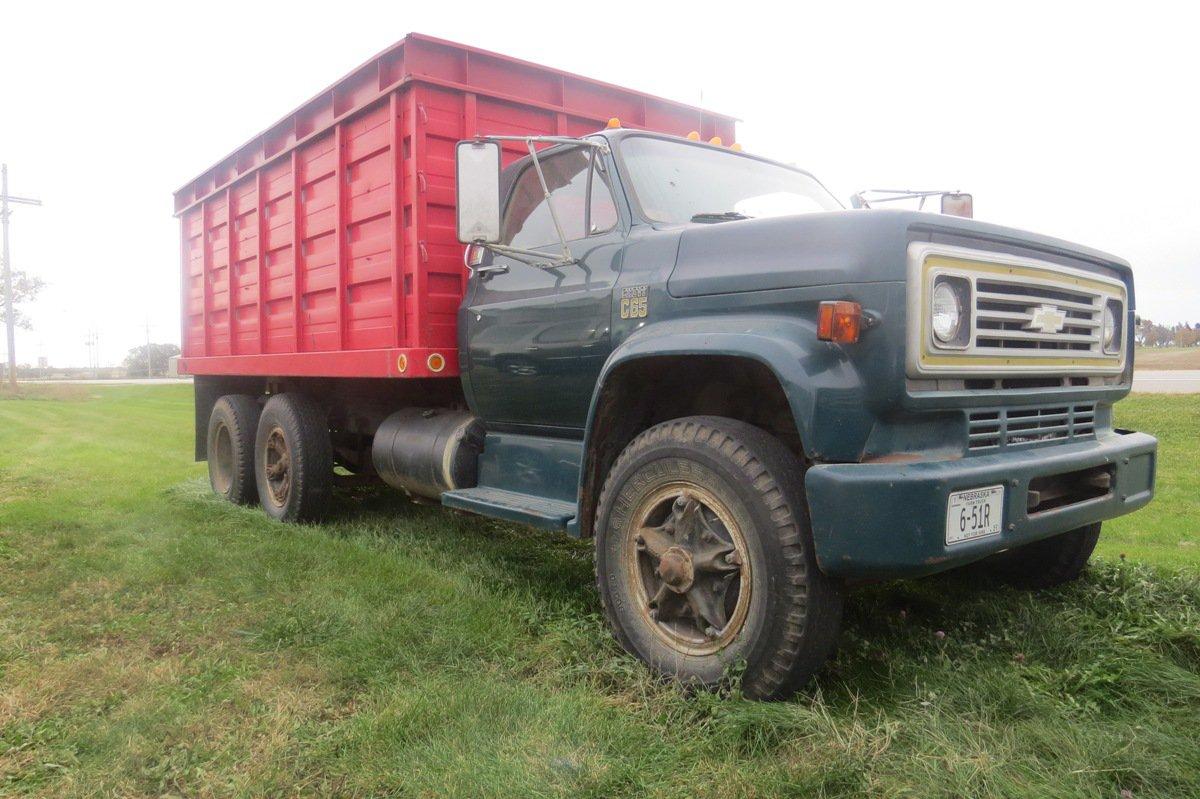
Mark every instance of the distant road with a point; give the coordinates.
(1167, 381)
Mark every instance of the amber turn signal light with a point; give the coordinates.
(839, 321)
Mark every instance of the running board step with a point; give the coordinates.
(548, 514)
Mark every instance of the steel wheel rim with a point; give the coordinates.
(277, 464)
(682, 545)
(222, 459)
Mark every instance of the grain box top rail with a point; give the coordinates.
(422, 58)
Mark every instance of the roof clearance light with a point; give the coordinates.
(716, 140)
(694, 136)
(737, 148)
(839, 321)
(614, 122)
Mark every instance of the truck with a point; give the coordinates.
(526, 294)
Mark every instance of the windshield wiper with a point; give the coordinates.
(719, 216)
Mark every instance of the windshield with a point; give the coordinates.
(678, 182)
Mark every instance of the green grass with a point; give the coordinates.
(155, 641)
(1168, 531)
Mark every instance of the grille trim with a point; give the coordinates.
(1005, 309)
(1026, 316)
(994, 429)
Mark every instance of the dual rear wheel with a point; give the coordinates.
(279, 455)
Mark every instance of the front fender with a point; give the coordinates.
(826, 392)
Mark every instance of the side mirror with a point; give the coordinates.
(958, 205)
(477, 176)
(857, 200)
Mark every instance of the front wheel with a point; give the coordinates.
(704, 558)
(1044, 564)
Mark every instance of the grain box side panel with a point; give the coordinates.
(318, 256)
(280, 234)
(243, 274)
(192, 254)
(217, 274)
(368, 243)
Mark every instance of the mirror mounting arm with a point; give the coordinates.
(562, 239)
(531, 257)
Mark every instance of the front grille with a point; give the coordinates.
(1026, 316)
(1001, 428)
(1007, 313)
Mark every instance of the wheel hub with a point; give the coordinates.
(278, 467)
(676, 570)
(688, 558)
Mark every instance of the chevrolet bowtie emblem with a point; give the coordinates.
(1047, 319)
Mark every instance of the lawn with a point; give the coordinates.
(155, 641)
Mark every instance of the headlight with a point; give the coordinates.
(949, 303)
(1111, 326)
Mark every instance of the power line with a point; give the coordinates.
(9, 314)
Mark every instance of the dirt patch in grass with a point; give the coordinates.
(47, 391)
(1167, 358)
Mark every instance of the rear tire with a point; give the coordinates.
(293, 459)
(1047, 563)
(704, 559)
(232, 426)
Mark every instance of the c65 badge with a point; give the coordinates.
(634, 303)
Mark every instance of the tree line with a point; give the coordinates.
(1151, 334)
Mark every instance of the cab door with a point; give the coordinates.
(535, 337)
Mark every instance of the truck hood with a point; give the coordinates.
(838, 247)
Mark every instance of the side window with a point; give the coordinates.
(527, 221)
(603, 209)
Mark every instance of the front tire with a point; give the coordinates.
(230, 453)
(1047, 563)
(704, 558)
(293, 459)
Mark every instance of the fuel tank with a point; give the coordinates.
(427, 451)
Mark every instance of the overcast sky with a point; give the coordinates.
(1074, 121)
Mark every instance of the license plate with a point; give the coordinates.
(974, 514)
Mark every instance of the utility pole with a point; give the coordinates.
(9, 314)
(149, 373)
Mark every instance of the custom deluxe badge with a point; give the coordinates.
(634, 303)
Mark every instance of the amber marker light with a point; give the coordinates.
(737, 148)
(614, 122)
(694, 136)
(716, 140)
(839, 321)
